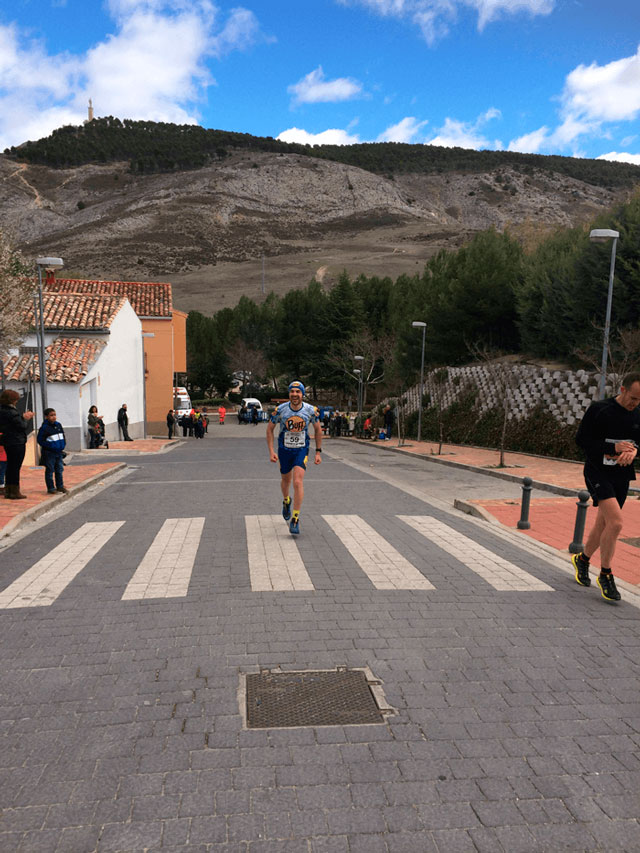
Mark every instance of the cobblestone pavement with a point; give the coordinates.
(518, 712)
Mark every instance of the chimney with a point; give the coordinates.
(51, 277)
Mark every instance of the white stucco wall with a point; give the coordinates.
(116, 377)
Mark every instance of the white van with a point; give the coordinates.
(181, 401)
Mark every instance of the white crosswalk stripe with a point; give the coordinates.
(496, 571)
(274, 560)
(385, 567)
(41, 584)
(165, 570)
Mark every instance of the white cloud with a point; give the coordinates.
(404, 131)
(530, 143)
(333, 136)
(460, 134)
(621, 157)
(128, 74)
(593, 97)
(433, 17)
(315, 89)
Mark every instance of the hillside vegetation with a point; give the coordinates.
(161, 147)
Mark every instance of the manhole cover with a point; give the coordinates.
(635, 542)
(312, 698)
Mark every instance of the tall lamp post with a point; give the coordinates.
(602, 235)
(418, 324)
(46, 264)
(359, 359)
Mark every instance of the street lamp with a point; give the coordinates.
(602, 235)
(359, 359)
(47, 264)
(418, 324)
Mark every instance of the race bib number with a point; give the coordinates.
(294, 440)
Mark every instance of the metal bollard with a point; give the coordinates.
(524, 524)
(581, 516)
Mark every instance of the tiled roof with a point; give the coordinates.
(68, 360)
(148, 299)
(78, 312)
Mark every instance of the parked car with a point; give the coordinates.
(246, 406)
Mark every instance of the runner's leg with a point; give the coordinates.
(593, 540)
(285, 484)
(298, 488)
(612, 516)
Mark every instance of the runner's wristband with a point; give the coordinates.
(318, 450)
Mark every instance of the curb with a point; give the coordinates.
(490, 472)
(106, 454)
(34, 512)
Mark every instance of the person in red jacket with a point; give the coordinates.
(221, 413)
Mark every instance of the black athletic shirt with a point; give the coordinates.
(605, 423)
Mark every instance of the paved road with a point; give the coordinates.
(516, 691)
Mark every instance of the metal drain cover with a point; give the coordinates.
(312, 698)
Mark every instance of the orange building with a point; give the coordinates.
(164, 331)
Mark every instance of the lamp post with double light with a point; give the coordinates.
(418, 324)
(602, 235)
(43, 264)
(358, 372)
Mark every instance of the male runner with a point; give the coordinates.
(293, 448)
(609, 435)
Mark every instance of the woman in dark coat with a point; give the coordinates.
(13, 427)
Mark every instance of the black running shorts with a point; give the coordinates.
(601, 488)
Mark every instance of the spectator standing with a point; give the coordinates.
(96, 428)
(13, 427)
(254, 415)
(123, 422)
(337, 425)
(221, 415)
(52, 440)
(205, 418)
(171, 422)
(198, 423)
(389, 420)
(3, 466)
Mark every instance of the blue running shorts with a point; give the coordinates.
(290, 459)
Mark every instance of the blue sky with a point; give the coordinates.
(544, 76)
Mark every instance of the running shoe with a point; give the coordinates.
(286, 509)
(582, 569)
(608, 587)
(294, 525)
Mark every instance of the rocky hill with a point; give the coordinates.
(265, 220)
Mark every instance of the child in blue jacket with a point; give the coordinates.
(52, 441)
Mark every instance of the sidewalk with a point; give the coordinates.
(552, 519)
(37, 502)
(76, 479)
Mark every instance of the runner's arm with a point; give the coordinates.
(317, 435)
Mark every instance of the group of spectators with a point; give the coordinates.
(337, 424)
(194, 423)
(95, 424)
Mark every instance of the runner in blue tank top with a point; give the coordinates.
(294, 418)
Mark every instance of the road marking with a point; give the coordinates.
(274, 560)
(40, 585)
(497, 572)
(385, 567)
(165, 570)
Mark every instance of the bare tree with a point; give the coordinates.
(247, 360)
(438, 389)
(377, 354)
(16, 289)
(504, 380)
(623, 354)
